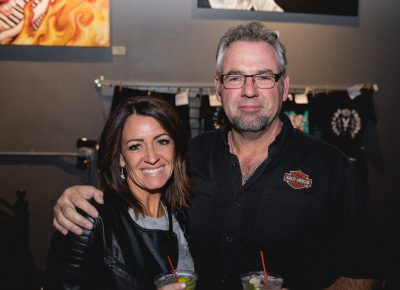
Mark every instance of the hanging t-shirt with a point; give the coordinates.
(121, 94)
(299, 115)
(342, 122)
(211, 118)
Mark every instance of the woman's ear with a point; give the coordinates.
(121, 160)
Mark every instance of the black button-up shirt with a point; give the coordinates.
(303, 206)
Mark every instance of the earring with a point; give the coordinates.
(122, 173)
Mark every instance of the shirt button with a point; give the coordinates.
(234, 164)
(229, 239)
(223, 279)
(236, 203)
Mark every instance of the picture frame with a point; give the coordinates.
(342, 12)
(83, 23)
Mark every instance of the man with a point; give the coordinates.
(260, 185)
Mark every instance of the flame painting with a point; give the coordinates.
(55, 22)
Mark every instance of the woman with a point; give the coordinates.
(142, 167)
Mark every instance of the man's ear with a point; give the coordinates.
(285, 88)
(218, 88)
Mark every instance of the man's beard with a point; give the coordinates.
(258, 123)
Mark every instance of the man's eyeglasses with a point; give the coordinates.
(261, 81)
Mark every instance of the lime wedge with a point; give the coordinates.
(255, 283)
(184, 279)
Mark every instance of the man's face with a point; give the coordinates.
(249, 108)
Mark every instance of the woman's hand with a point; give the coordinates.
(174, 286)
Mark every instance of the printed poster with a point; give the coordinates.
(329, 7)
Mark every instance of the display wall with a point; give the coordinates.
(48, 98)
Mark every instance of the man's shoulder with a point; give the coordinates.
(305, 143)
(203, 146)
(111, 210)
(208, 138)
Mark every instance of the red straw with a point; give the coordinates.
(263, 264)
(173, 269)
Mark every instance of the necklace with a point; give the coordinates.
(245, 177)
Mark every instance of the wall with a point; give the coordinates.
(48, 98)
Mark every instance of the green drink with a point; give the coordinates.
(256, 281)
(184, 276)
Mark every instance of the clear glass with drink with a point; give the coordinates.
(256, 281)
(184, 276)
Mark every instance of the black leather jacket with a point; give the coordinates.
(116, 254)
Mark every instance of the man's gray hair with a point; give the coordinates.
(252, 31)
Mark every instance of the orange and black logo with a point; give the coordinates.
(297, 179)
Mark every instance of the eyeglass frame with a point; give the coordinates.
(277, 76)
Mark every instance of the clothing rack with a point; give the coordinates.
(314, 89)
(194, 87)
(294, 89)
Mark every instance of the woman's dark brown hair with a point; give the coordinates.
(177, 189)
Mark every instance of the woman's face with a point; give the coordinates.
(147, 153)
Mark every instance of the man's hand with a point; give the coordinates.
(66, 218)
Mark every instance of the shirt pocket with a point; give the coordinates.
(287, 216)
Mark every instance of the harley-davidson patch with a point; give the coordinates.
(297, 179)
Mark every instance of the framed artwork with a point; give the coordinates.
(55, 22)
(327, 7)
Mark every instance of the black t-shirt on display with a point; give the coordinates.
(211, 118)
(342, 121)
